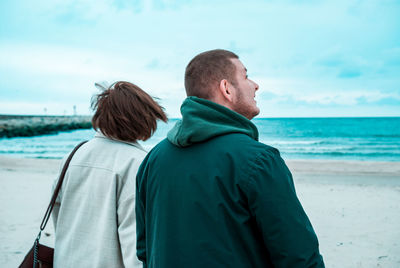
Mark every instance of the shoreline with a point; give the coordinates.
(297, 166)
(350, 167)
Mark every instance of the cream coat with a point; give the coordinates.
(94, 216)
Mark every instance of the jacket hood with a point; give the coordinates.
(203, 119)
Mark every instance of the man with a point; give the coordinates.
(211, 195)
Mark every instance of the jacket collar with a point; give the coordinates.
(102, 136)
(203, 119)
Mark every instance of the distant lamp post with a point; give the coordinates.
(74, 110)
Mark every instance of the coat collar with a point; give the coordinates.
(102, 136)
(203, 119)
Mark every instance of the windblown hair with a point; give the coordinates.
(205, 71)
(125, 112)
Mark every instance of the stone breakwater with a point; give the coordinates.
(26, 126)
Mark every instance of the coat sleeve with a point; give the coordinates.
(57, 204)
(140, 215)
(56, 208)
(285, 227)
(126, 231)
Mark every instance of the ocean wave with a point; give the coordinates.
(305, 138)
(386, 135)
(294, 142)
(344, 155)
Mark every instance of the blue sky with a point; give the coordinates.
(310, 58)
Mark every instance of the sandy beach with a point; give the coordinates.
(353, 206)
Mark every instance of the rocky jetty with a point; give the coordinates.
(25, 126)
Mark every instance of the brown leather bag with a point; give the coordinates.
(41, 256)
(44, 256)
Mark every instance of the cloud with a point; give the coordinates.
(303, 92)
(55, 73)
(349, 74)
(266, 95)
(389, 101)
(300, 52)
(333, 61)
(45, 107)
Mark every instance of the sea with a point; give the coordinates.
(363, 139)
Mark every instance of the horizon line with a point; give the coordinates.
(175, 118)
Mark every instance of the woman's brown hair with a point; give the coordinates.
(125, 112)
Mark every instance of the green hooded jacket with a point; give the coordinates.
(211, 195)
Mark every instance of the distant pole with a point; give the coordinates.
(45, 111)
(74, 110)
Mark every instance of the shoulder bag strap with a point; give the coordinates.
(58, 187)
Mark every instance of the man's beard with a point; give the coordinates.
(247, 110)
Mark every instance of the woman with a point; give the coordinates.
(94, 217)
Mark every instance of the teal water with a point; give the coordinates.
(374, 139)
(367, 139)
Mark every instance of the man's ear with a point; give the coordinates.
(226, 90)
